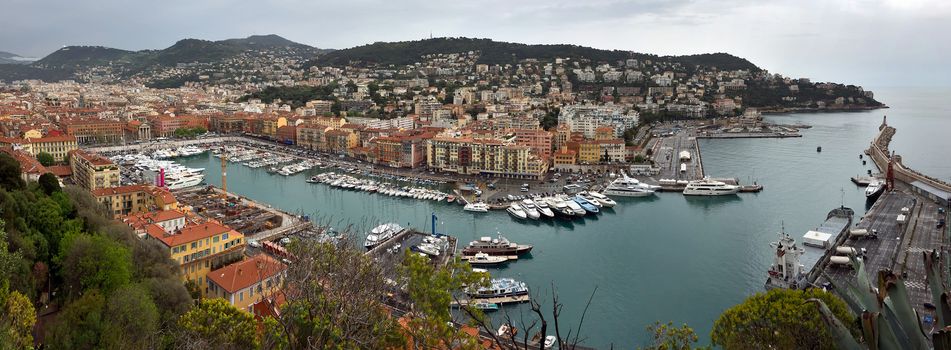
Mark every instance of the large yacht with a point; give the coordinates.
(584, 203)
(381, 234)
(181, 180)
(598, 199)
(544, 209)
(516, 210)
(559, 207)
(625, 186)
(574, 206)
(478, 207)
(497, 246)
(530, 210)
(501, 287)
(707, 187)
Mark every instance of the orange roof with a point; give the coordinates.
(246, 273)
(60, 170)
(63, 138)
(99, 192)
(140, 220)
(193, 233)
(93, 158)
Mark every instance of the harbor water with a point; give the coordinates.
(662, 258)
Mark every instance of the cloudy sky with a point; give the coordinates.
(866, 42)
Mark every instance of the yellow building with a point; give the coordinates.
(247, 282)
(589, 152)
(125, 200)
(271, 124)
(340, 141)
(58, 146)
(92, 171)
(311, 136)
(465, 155)
(32, 134)
(200, 248)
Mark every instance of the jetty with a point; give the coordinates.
(497, 300)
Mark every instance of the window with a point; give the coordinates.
(224, 236)
(251, 293)
(241, 296)
(215, 239)
(194, 245)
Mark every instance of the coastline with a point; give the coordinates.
(794, 110)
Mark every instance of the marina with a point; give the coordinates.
(703, 231)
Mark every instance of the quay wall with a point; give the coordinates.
(879, 152)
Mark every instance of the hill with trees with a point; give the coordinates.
(67, 61)
(498, 52)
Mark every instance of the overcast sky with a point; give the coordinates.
(865, 42)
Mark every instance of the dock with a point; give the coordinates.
(864, 181)
(497, 300)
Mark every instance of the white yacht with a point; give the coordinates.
(516, 210)
(559, 206)
(629, 187)
(543, 209)
(381, 234)
(530, 210)
(478, 207)
(874, 188)
(574, 206)
(176, 181)
(604, 200)
(708, 187)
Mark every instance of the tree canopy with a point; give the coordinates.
(45, 159)
(780, 319)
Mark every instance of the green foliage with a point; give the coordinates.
(216, 323)
(337, 303)
(10, 173)
(49, 183)
(45, 159)
(16, 321)
(296, 96)
(779, 318)
(669, 337)
(79, 325)
(431, 290)
(94, 262)
(132, 319)
(189, 132)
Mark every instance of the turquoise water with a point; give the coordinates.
(667, 258)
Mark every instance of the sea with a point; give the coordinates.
(663, 258)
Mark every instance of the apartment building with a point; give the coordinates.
(246, 282)
(125, 200)
(92, 171)
(88, 131)
(486, 156)
(199, 248)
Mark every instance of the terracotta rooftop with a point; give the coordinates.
(193, 233)
(246, 273)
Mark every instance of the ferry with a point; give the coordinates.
(707, 187)
(380, 234)
(500, 288)
(794, 267)
(497, 246)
